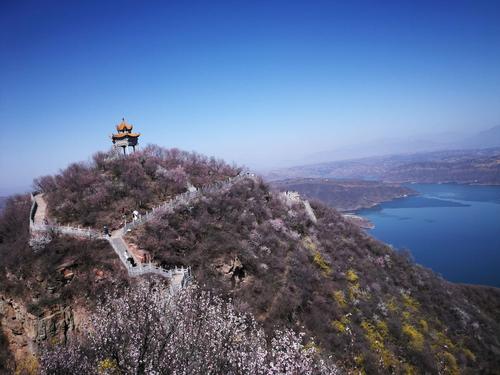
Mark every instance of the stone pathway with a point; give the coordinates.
(185, 199)
(179, 277)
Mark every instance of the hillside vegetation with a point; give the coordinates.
(44, 294)
(370, 306)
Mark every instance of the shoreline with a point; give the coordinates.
(356, 209)
(354, 217)
(359, 221)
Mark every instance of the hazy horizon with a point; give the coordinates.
(261, 84)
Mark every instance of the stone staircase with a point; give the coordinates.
(179, 277)
(184, 199)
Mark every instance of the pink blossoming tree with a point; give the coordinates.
(147, 331)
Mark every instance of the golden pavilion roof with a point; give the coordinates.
(122, 126)
(125, 135)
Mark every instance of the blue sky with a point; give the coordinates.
(258, 83)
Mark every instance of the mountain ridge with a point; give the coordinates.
(477, 166)
(364, 303)
(487, 138)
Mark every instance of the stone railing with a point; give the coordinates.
(184, 199)
(67, 230)
(59, 229)
(178, 201)
(179, 276)
(142, 269)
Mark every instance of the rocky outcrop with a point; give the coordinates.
(233, 270)
(25, 332)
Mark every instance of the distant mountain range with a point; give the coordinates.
(485, 139)
(469, 166)
(390, 146)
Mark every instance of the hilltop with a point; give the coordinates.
(370, 306)
(107, 190)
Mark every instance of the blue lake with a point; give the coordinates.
(452, 229)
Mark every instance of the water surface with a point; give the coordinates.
(453, 229)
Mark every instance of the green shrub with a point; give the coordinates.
(416, 339)
(351, 276)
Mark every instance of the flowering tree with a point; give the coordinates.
(148, 331)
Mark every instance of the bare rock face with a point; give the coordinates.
(18, 327)
(25, 332)
(234, 270)
(55, 326)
